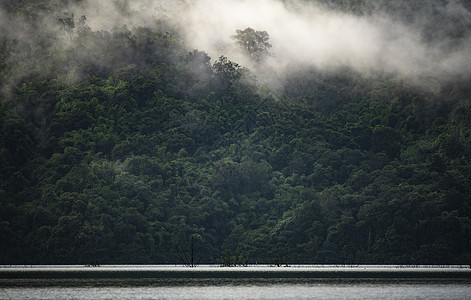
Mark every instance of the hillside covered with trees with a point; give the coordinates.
(122, 146)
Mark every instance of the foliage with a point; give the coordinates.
(127, 146)
(253, 42)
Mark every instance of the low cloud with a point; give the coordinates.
(308, 34)
(429, 47)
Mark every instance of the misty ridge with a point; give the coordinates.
(265, 131)
(426, 44)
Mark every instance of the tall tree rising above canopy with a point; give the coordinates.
(254, 43)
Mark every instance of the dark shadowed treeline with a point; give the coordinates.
(126, 146)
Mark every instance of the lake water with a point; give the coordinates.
(254, 282)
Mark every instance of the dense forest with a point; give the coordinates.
(128, 146)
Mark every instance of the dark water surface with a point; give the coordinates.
(256, 282)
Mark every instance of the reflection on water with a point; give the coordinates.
(279, 291)
(145, 282)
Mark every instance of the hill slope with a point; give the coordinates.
(123, 146)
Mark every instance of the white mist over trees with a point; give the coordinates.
(427, 44)
(418, 47)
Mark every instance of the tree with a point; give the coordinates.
(190, 256)
(68, 23)
(227, 71)
(254, 43)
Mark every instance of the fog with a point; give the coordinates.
(428, 46)
(309, 34)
